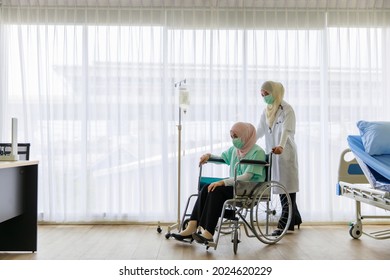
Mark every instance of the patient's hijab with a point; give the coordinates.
(247, 133)
(276, 89)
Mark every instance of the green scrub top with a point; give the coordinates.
(256, 153)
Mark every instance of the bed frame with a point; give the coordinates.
(360, 180)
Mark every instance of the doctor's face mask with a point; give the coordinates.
(269, 99)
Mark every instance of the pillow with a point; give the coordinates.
(375, 137)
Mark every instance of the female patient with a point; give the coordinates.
(208, 206)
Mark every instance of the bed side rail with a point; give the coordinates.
(349, 171)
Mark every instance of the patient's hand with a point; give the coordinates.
(214, 185)
(204, 159)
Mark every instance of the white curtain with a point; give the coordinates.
(93, 90)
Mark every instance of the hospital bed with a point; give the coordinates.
(366, 179)
(255, 207)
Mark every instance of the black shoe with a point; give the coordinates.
(201, 239)
(291, 228)
(277, 232)
(182, 238)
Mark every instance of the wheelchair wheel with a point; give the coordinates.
(235, 241)
(267, 214)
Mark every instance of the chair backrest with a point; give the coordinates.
(23, 150)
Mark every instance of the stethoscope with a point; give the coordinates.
(279, 121)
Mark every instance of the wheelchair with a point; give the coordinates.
(256, 207)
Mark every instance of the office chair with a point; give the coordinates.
(23, 150)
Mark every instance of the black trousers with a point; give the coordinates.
(208, 206)
(295, 217)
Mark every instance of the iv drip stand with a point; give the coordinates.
(179, 128)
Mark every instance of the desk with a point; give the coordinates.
(18, 205)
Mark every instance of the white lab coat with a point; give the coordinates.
(285, 165)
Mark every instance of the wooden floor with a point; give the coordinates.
(140, 242)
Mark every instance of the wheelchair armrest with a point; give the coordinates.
(216, 160)
(253, 161)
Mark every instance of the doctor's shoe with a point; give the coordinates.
(291, 228)
(277, 232)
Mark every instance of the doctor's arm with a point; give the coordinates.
(288, 128)
(261, 127)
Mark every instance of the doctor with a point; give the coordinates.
(277, 125)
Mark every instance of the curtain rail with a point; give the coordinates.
(196, 8)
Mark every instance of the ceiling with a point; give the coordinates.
(311, 4)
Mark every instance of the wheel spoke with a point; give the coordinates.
(267, 215)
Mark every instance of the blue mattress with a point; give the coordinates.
(375, 168)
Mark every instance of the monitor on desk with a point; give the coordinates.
(23, 150)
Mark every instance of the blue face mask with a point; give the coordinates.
(237, 142)
(269, 99)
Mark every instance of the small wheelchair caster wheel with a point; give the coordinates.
(167, 235)
(159, 230)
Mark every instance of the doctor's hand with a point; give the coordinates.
(277, 150)
(214, 185)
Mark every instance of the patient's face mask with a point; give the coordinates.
(269, 99)
(237, 142)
